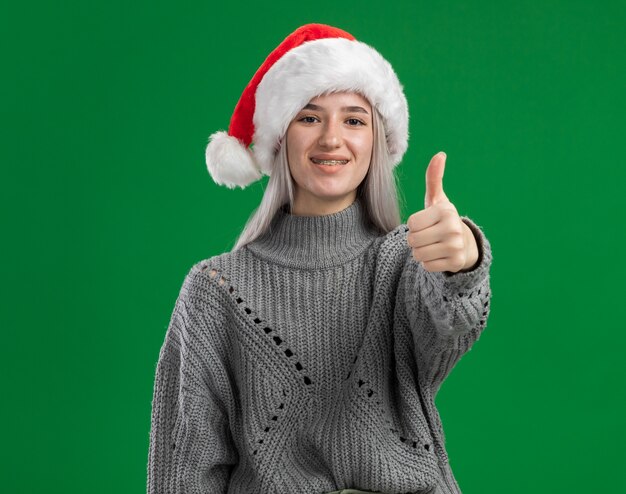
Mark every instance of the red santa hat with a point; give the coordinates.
(315, 59)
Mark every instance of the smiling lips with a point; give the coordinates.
(329, 162)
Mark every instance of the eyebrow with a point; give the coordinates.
(350, 109)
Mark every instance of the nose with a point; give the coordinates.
(330, 136)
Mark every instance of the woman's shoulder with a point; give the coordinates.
(206, 297)
(394, 243)
(389, 250)
(202, 279)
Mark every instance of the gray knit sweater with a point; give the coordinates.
(309, 361)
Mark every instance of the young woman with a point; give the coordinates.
(307, 359)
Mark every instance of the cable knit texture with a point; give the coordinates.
(309, 361)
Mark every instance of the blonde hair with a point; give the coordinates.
(378, 190)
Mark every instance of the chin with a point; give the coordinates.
(329, 193)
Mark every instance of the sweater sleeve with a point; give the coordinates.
(191, 449)
(447, 311)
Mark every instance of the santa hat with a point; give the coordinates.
(315, 59)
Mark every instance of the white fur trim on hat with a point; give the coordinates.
(229, 162)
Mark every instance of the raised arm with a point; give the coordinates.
(447, 311)
(445, 281)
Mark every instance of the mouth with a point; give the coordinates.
(329, 162)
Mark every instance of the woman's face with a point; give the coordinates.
(329, 149)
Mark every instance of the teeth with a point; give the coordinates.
(329, 162)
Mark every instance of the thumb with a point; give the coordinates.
(434, 180)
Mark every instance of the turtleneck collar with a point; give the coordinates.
(313, 242)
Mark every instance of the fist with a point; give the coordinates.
(438, 238)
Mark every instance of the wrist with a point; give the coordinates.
(472, 249)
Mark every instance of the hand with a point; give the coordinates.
(437, 235)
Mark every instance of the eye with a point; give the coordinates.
(355, 122)
(307, 119)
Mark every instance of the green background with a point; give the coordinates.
(106, 203)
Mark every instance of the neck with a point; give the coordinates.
(310, 205)
(313, 242)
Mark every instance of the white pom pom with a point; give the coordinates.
(229, 162)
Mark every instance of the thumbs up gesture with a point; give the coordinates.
(437, 235)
